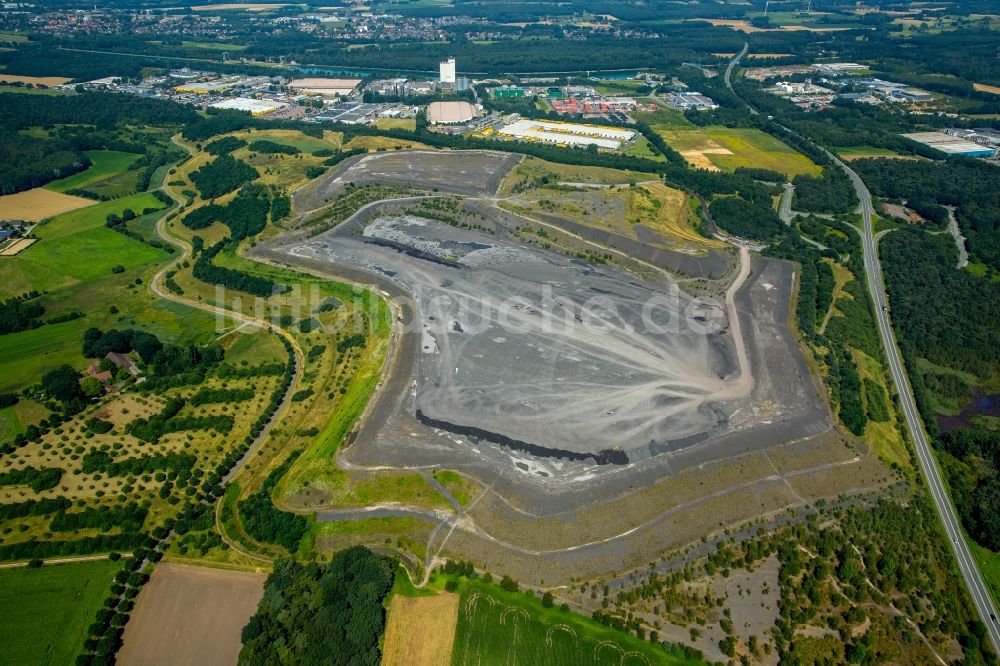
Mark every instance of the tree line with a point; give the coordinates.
(265, 522)
(208, 272)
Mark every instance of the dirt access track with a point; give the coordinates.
(190, 616)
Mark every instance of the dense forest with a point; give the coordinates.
(973, 469)
(972, 186)
(949, 317)
(321, 613)
(31, 161)
(245, 215)
(222, 175)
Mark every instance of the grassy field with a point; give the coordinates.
(73, 264)
(46, 611)
(76, 247)
(213, 46)
(725, 148)
(884, 436)
(303, 142)
(30, 91)
(409, 124)
(534, 168)
(641, 148)
(867, 151)
(13, 419)
(104, 164)
(376, 142)
(499, 627)
(754, 148)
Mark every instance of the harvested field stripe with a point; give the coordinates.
(38, 204)
(192, 614)
(420, 630)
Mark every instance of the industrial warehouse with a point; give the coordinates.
(970, 144)
(568, 134)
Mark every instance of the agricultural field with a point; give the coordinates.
(208, 607)
(47, 81)
(39, 203)
(500, 627)
(109, 466)
(46, 611)
(76, 247)
(719, 148)
(420, 630)
(106, 175)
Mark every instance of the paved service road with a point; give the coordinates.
(873, 270)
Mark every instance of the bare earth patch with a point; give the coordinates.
(47, 81)
(190, 615)
(699, 158)
(420, 630)
(982, 87)
(38, 204)
(16, 246)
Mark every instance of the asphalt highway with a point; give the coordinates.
(973, 578)
(966, 563)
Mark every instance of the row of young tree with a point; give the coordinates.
(168, 420)
(127, 518)
(104, 463)
(206, 271)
